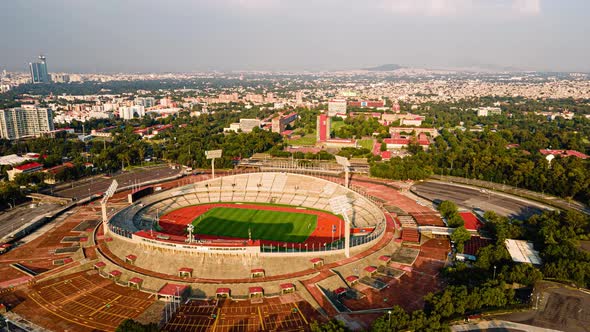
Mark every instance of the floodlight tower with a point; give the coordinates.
(343, 161)
(190, 228)
(340, 205)
(103, 203)
(213, 154)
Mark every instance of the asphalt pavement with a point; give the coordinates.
(99, 184)
(13, 219)
(472, 197)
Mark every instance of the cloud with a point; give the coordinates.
(462, 7)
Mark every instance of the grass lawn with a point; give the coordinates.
(366, 143)
(308, 139)
(264, 224)
(335, 125)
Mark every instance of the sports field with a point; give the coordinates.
(262, 224)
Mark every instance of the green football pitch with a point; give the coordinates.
(263, 224)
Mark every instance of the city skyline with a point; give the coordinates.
(286, 35)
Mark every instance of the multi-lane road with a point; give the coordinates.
(471, 197)
(99, 184)
(12, 220)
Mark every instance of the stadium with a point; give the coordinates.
(266, 222)
(252, 251)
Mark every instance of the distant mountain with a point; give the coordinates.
(386, 67)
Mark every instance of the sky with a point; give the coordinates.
(294, 35)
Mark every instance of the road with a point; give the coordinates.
(11, 220)
(471, 197)
(99, 184)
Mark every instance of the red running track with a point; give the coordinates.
(175, 223)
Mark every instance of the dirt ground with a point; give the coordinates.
(559, 307)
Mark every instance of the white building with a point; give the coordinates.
(336, 106)
(128, 113)
(24, 121)
(486, 111)
(247, 125)
(145, 101)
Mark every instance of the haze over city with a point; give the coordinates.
(185, 36)
(294, 165)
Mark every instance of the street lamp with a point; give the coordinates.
(494, 272)
(389, 317)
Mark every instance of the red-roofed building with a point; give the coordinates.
(317, 262)
(471, 221)
(255, 292)
(99, 265)
(340, 291)
(367, 103)
(287, 288)
(257, 273)
(130, 259)
(185, 272)
(24, 169)
(564, 153)
(474, 244)
(398, 141)
(352, 280)
(371, 270)
(172, 292)
(385, 259)
(223, 292)
(115, 274)
(135, 282)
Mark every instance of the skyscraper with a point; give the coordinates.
(39, 71)
(24, 121)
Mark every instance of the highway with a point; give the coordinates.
(99, 184)
(472, 197)
(12, 219)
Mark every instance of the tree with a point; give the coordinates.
(455, 220)
(129, 325)
(460, 236)
(447, 208)
(331, 326)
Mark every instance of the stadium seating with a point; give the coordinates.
(280, 188)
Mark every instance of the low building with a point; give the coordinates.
(564, 153)
(432, 132)
(280, 122)
(336, 106)
(399, 141)
(486, 111)
(24, 169)
(523, 252)
(247, 125)
(367, 103)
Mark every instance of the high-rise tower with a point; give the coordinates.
(39, 71)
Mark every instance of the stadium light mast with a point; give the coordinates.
(103, 203)
(341, 205)
(213, 154)
(343, 161)
(190, 228)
